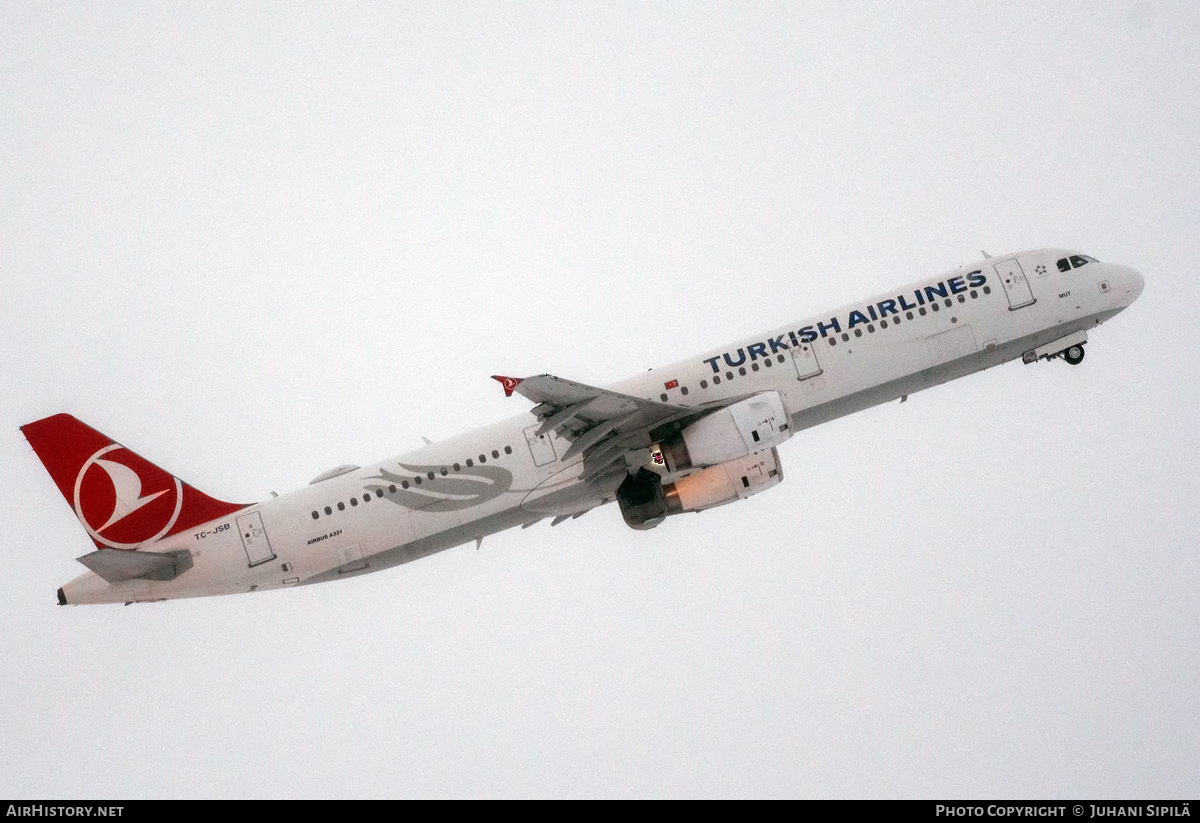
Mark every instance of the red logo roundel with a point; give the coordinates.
(124, 500)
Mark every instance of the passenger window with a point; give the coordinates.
(1063, 265)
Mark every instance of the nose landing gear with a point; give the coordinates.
(1069, 348)
(1073, 354)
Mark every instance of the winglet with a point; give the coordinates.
(509, 383)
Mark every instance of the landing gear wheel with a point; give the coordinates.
(1073, 355)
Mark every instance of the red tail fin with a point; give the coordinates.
(123, 500)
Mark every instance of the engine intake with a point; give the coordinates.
(642, 502)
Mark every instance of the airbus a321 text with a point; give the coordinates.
(686, 437)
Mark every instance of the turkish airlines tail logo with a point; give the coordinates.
(123, 500)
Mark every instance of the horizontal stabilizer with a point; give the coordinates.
(115, 565)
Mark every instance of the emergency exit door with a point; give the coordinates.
(540, 446)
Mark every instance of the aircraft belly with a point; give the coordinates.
(856, 374)
(563, 493)
(950, 353)
(425, 523)
(434, 543)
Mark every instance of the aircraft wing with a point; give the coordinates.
(603, 425)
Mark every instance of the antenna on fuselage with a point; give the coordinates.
(985, 254)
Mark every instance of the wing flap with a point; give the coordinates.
(562, 416)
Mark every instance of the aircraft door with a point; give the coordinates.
(1016, 285)
(254, 539)
(540, 446)
(804, 357)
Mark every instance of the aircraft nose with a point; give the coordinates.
(1134, 282)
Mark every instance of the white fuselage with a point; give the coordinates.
(490, 479)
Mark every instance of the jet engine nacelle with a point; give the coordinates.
(645, 501)
(748, 426)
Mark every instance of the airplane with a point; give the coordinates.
(699, 433)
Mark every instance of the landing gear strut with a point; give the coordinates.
(1073, 354)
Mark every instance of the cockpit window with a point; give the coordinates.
(1075, 261)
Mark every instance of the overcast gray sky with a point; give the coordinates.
(256, 241)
